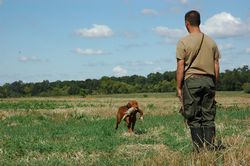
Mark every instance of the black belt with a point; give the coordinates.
(201, 75)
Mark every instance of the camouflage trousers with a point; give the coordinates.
(199, 101)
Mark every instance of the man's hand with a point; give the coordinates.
(179, 94)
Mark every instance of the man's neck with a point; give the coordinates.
(194, 29)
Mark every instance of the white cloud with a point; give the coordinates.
(169, 34)
(119, 71)
(142, 63)
(29, 59)
(134, 45)
(90, 51)
(23, 58)
(150, 12)
(227, 46)
(225, 25)
(221, 25)
(96, 64)
(136, 63)
(159, 69)
(183, 1)
(247, 50)
(96, 31)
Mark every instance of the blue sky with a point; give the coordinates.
(80, 39)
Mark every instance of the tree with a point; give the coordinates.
(246, 87)
(16, 89)
(109, 86)
(230, 80)
(169, 75)
(90, 86)
(2, 92)
(154, 78)
(83, 92)
(74, 90)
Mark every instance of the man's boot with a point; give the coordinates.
(197, 138)
(209, 138)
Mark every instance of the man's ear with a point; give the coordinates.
(187, 24)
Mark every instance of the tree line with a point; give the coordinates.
(230, 80)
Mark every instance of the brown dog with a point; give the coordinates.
(131, 118)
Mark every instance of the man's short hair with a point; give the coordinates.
(193, 17)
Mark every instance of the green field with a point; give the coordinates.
(80, 131)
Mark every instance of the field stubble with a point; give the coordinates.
(81, 131)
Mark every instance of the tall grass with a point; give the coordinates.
(83, 133)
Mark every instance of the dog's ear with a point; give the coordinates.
(129, 105)
(132, 103)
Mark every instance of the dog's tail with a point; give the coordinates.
(118, 120)
(116, 126)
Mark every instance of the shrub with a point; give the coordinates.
(83, 93)
(246, 87)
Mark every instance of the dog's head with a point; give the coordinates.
(133, 103)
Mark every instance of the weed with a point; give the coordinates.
(81, 132)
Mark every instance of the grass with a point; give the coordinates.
(77, 131)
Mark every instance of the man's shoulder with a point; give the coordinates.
(185, 38)
(189, 37)
(210, 39)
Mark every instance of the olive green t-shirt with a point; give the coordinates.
(188, 47)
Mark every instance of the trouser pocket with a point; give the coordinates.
(188, 103)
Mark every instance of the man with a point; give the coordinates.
(197, 73)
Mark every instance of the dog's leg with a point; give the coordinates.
(118, 120)
(133, 125)
(129, 124)
(130, 130)
(133, 120)
(116, 126)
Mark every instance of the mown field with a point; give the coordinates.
(80, 131)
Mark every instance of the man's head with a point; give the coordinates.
(192, 19)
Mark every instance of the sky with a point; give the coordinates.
(88, 39)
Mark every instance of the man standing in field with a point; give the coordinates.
(197, 73)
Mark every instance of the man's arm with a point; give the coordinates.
(179, 77)
(216, 69)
